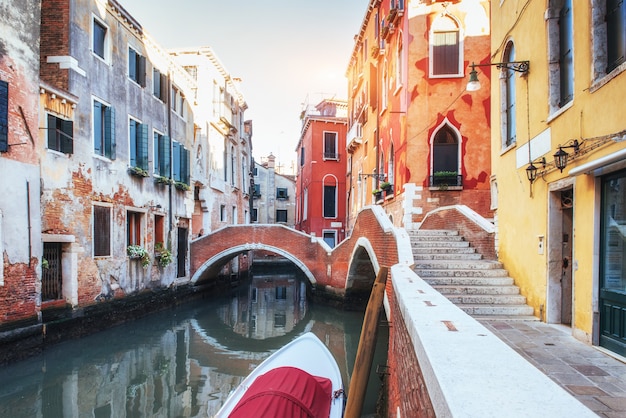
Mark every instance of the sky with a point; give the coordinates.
(287, 53)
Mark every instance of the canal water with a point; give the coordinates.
(183, 362)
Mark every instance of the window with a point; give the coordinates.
(138, 140)
(445, 48)
(159, 85)
(445, 157)
(330, 237)
(101, 231)
(255, 215)
(161, 156)
(180, 163)
(566, 58)
(399, 56)
(257, 190)
(60, 134)
(133, 228)
(302, 156)
(223, 213)
(560, 53)
(281, 193)
(159, 229)
(509, 129)
(4, 116)
(104, 129)
(136, 67)
(330, 146)
(100, 45)
(281, 292)
(281, 215)
(330, 200)
(616, 33)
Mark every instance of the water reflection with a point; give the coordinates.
(182, 362)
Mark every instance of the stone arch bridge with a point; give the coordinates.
(345, 272)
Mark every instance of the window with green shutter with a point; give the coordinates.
(4, 116)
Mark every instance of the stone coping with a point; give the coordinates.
(469, 371)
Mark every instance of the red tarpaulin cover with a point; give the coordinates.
(286, 392)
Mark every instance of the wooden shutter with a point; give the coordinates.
(142, 146)
(4, 116)
(109, 132)
(67, 136)
(176, 160)
(141, 71)
(164, 156)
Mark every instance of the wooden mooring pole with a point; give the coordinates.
(367, 346)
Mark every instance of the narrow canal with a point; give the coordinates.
(182, 362)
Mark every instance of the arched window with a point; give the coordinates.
(446, 51)
(509, 121)
(445, 156)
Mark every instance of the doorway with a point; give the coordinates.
(560, 257)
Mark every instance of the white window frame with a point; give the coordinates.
(107, 40)
(431, 56)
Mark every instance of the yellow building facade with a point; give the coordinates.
(557, 76)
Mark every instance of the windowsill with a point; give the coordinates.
(397, 90)
(105, 61)
(507, 149)
(599, 83)
(58, 153)
(560, 111)
(446, 189)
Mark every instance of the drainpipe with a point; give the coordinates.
(169, 134)
(30, 244)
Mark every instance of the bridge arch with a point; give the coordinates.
(213, 264)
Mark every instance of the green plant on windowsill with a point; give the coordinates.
(163, 254)
(138, 252)
(137, 171)
(385, 185)
(163, 180)
(182, 186)
(445, 174)
(44, 263)
(376, 191)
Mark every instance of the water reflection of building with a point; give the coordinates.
(272, 306)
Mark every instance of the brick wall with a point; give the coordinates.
(55, 32)
(406, 388)
(452, 219)
(19, 294)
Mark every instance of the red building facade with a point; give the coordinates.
(321, 180)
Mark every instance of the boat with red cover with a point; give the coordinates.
(302, 379)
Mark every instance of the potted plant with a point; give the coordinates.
(378, 193)
(163, 180)
(181, 186)
(386, 186)
(162, 254)
(137, 171)
(443, 179)
(138, 252)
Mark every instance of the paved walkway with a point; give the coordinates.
(595, 378)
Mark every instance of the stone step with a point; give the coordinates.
(491, 273)
(422, 232)
(469, 281)
(438, 238)
(470, 255)
(487, 299)
(457, 265)
(449, 245)
(506, 318)
(476, 290)
(473, 309)
(447, 251)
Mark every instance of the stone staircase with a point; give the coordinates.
(481, 288)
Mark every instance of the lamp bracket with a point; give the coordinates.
(377, 176)
(519, 66)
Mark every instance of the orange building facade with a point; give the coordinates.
(321, 180)
(414, 130)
